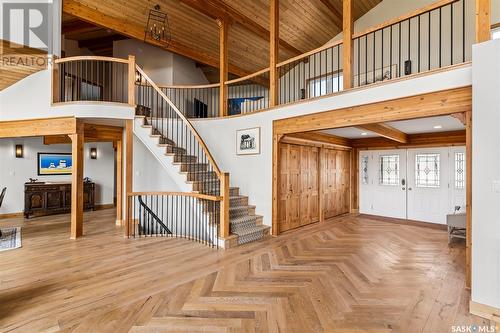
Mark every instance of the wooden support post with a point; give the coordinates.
(131, 80)
(276, 184)
(77, 142)
(119, 183)
(224, 64)
(274, 22)
(468, 198)
(224, 206)
(483, 20)
(55, 81)
(129, 173)
(321, 194)
(354, 180)
(347, 47)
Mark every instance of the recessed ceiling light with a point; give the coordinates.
(438, 127)
(364, 133)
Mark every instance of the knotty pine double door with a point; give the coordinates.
(305, 172)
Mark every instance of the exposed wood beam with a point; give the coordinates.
(460, 116)
(223, 64)
(92, 133)
(334, 11)
(385, 131)
(440, 139)
(320, 137)
(37, 127)
(77, 27)
(134, 30)
(483, 20)
(348, 50)
(274, 22)
(218, 9)
(437, 103)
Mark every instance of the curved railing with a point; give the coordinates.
(248, 93)
(182, 142)
(198, 101)
(93, 78)
(176, 215)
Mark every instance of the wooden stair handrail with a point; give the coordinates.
(309, 53)
(179, 194)
(186, 86)
(250, 76)
(184, 119)
(93, 58)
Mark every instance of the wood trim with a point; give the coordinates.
(348, 49)
(131, 80)
(483, 20)
(38, 127)
(224, 206)
(248, 77)
(77, 143)
(496, 25)
(354, 180)
(276, 171)
(129, 172)
(485, 311)
(347, 91)
(405, 221)
(119, 182)
(440, 139)
(187, 122)
(93, 58)
(179, 194)
(386, 131)
(224, 62)
(93, 133)
(11, 215)
(54, 83)
(309, 53)
(104, 206)
(442, 102)
(321, 180)
(468, 199)
(404, 17)
(274, 21)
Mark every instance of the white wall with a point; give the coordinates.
(185, 71)
(253, 173)
(14, 172)
(486, 174)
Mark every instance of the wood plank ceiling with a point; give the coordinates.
(304, 25)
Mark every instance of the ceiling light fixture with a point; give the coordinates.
(364, 133)
(438, 127)
(158, 28)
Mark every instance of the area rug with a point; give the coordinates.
(10, 239)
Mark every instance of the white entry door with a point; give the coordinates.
(429, 177)
(387, 188)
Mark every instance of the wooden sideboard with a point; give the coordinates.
(54, 198)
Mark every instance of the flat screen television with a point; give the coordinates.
(200, 109)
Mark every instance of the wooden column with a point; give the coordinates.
(276, 184)
(224, 206)
(129, 172)
(483, 20)
(354, 180)
(55, 81)
(274, 22)
(468, 198)
(77, 143)
(321, 173)
(223, 64)
(348, 24)
(131, 80)
(119, 182)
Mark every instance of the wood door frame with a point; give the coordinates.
(439, 103)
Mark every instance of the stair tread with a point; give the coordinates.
(245, 218)
(242, 207)
(252, 230)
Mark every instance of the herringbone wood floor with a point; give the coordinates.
(351, 274)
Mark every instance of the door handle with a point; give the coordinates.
(409, 188)
(403, 188)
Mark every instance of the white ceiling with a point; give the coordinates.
(414, 126)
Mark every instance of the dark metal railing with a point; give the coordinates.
(316, 73)
(195, 101)
(428, 40)
(177, 215)
(248, 94)
(177, 135)
(96, 79)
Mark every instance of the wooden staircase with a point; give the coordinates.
(245, 225)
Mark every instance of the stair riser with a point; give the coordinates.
(202, 176)
(243, 226)
(185, 158)
(234, 191)
(193, 167)
(243, 211)
(253, 237)
(175, 150)
(239, 201)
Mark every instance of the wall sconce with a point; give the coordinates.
(93, 153)
(19, 151)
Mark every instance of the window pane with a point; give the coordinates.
(427, 170)
(364, 169)
(459, 170)
(389, 170)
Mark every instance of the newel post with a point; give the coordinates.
(224, 205)
(131, 80)
(56, 85)
(223, 65)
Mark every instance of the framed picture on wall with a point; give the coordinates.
(248, 141)
(50, 164)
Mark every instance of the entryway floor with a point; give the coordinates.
(350, 274)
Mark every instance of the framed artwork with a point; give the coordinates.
(248, 141)
(50, 164)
